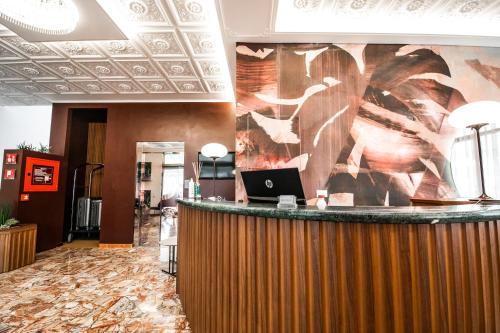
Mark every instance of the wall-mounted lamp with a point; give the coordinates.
(474, 116)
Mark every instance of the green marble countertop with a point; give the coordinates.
(359, 214)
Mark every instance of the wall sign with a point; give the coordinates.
(9, 174)
(41, 175)
(24, 197)
(10, 158)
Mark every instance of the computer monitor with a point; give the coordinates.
(268, 185)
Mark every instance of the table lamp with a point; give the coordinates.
(213, 151)
(474, 116)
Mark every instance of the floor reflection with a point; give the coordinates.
(157, 231)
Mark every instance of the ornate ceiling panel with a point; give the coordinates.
(174, 52)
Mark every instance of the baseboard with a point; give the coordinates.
(115, 246)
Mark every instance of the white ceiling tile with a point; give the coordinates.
(189, 12)
(139, 68)
(177, 68)
(32, 71)
(216, 86)
(156, 86)
(189, 86)
(210, 68)
(7, 74)
(93, 87)
(78, 49)
(29, 100)
(120, 48)
(201, 43)
(32, 50)
(144, 12)
(7, 54)
(30, 87)
(66, 69)
(4, 101)
(62, 87)
(124, 86)
(8, 90)
(162, 43)
(102, 69)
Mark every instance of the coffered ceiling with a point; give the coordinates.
(174, 52)
(184, 50)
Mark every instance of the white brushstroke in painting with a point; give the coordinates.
(421, 131)
(310, 56)
(356, 51)
(299, 162)
(416, 178)
(280, 130)
(438, 77)
(431, 166)
(341, 199)
(407, 49)
(328, 122)
(261, 54)
(354, 159)
(330, 81)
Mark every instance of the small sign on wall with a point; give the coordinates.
(10, 158)
(24, 197)
(9, 174)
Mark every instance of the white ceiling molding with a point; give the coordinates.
(260, 20)
(424, 17)
(174, 52)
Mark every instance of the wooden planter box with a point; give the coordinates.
(17, 247)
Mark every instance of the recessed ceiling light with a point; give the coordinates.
(50, 17)
(58, 20)
(467, 18)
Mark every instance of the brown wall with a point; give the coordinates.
(193, 123)
(45, 209)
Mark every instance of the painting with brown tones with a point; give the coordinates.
(368, 122)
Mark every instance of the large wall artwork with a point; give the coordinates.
(366, 122)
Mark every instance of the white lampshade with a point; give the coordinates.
(214, 150)
(482, 112)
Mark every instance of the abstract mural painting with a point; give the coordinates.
(368, 122)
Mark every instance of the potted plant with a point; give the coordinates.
(6, 220)
(17, 241)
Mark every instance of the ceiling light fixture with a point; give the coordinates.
(50, 17)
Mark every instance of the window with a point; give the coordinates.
(465, 162)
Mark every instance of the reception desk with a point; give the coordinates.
(253, 268)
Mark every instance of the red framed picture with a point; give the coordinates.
(41, 175)
(9, 174)
(10, 158)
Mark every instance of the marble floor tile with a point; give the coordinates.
(91, 290)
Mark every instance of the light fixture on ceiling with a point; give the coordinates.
(51, 17)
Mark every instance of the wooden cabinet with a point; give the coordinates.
(17, 247)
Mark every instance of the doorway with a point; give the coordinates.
(159, 182)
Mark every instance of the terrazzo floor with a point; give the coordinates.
(91, 290)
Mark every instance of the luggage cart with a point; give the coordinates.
(88, 209)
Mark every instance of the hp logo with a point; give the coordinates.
(269, 183)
